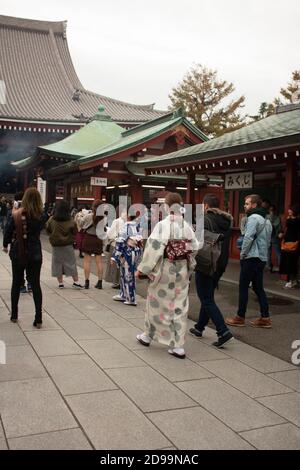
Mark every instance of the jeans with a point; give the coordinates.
(206, 286)
(252, 270)
(33, 271)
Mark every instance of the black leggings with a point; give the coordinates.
(33, 271)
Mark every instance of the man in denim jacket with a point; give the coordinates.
(254, 255)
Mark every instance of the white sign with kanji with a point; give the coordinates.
(243, 180)
(42, 188)
(96, 181)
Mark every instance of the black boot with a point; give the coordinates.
(38, 323)
(87, 284)
(99, 284)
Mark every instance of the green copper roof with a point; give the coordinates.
(263, 134)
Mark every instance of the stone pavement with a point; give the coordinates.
(84, 382)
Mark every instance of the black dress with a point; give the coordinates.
(289, 260)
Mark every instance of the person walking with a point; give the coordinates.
(91, 244)
(219, 222)
(22, 233)
(168, 261)
(290, 247)
(275, 241)
(254, 255)
(126, 256)
(62, 229)
(112, 273)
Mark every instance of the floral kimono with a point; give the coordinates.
(167, 300)
(127, 254)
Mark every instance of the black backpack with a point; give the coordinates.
(207, 257)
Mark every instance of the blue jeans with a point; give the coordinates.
(252, 270)
(206, 286)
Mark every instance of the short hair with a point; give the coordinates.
(212, 201)
(173, 198)
(62, 211)
(255, 199)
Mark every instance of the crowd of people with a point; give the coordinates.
(167, 258)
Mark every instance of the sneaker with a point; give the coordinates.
(177, 352)
(37, 324)
(195, 332)
(29, 288)
(115, 286)
(143, 339)
(133, 304)
(288, 285)
(87, 284)
(61, 286)
(118, 298)
(261, 322)
(23, 290)
(99, 284)
(235, 321)
(223, 339)
(76, 285)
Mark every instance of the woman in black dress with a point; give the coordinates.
(22, 233)
(290, 247)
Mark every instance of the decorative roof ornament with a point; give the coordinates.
(101, 115)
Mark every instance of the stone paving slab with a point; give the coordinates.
(109, 353)
(149, 390)
(106, 319)
(195, 428)
(77, 374)
(291, 379)
(3, 445)
(26, 323)
(83, 329)
(244, 378)
(281, 437)
(21, 363)
(33, 407)
(126, 336)
(198, 351)
(232, 407)
(170, 367)
(71, 439)
(53, 343)
(12, 335)
(257, 359)
(112, 421)
(287, 406)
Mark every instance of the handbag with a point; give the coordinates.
(289, 247)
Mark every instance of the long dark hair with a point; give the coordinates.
(62, 211)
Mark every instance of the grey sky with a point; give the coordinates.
(137, 50)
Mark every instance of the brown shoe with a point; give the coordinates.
(235, 321)
(261, 323)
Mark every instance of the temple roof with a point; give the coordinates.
(41, 82)
(282, 128)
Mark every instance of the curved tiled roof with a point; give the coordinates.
(41, 82)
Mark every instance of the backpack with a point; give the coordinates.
(207, 257)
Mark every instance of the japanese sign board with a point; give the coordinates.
(42, 188)
(96, 181)
(243, 180)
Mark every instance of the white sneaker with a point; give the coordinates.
(143, 339)
(133, 304)
(289, 285)
(177, 352)
(118, 298)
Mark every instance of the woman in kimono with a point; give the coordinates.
(127, 254)
(168, 261)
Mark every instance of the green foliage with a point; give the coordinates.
(201, 94)
(290, 92)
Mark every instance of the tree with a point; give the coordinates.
(201, 94)
(265, 110)
(292, 92)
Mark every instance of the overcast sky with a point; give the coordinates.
(137, 50)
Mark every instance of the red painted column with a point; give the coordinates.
(97, 192)
(136, 193)
(190, 193)
(290, 183)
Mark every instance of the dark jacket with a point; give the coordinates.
(221, 222)
(34, 250)
(61, 233)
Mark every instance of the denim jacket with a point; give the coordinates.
(257, 238)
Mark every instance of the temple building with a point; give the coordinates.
(263, 158)
(41, 98)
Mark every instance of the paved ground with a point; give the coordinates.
(284, 307)
(84, 382)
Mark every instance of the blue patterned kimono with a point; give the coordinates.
(127, 255)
